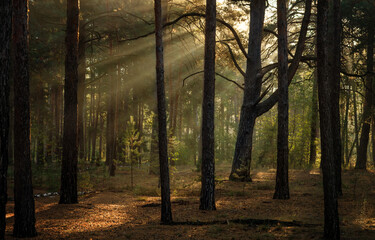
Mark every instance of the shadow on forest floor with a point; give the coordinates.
(113, 210)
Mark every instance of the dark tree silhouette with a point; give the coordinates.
(207, 199)
(5, 39)
(335, 67)
(166, 211)
(282, 185)
(24, 209)
(68, 191)
(325, 30)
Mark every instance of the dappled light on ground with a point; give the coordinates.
(116, 211)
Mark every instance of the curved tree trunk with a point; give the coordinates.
(24, 209)
(5, 40)
(68, 190)
(253, 83)
(251, 109)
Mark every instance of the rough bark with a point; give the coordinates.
(331, 218)
(282, 183)
(334, 32)
(253, 83)
(68, 190)
(24, 209)
(5, 39)
(207, 198)
(166, 211)
(364, 139)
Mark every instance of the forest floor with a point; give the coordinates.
(114, 210)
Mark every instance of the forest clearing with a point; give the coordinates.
(113, 210)
(187, 119)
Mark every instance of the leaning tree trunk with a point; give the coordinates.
(68, 190)
(5, 39)
(364, 139)
(324, 24)
(207, 199)
(282, 183)
(166, 211)
(253, 83)
(24, 209)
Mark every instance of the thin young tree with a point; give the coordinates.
(24, 206)
(68, 191)
(325, 22)
(282, 184)
(5, 39)
(166, 211)
(361, 161)
(207, 199)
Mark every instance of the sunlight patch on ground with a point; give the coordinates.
(314, 172)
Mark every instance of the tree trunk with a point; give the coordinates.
(166, 211)
(24, 209)
(363, 143)
(101, 137)
(253, 83)
(251, 109)
(57, 92)
(373, 138)
(81, 92)
(40, 125)
(282, 184)
(5, 39)
(95, 127)
(68, 191)
(345, 132)
(207, 198)
(331, 218)
(314, 122)
(111, 119)
(335, 65)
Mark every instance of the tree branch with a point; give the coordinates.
(220, 75)
(194, 14)
(233, 58)
(267, 104)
